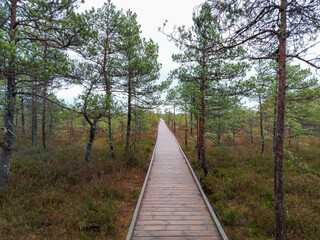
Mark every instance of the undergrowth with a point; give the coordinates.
(52, 195)
(240, 188)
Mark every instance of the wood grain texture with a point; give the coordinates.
(172, 206)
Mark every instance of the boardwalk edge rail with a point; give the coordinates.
(136, 211)
(213, 215)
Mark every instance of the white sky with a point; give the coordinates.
(151, 14)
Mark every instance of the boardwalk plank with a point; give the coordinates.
(186, 233)
(201, 213)
(169, 218)
(175, 222)
(174, 228)
(171, 238)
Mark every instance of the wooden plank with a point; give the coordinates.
(174, 222)
(173, 209)
(186, 233)
(202, 213)
(171, 195)
(174, 227)
(172, 238)
(173, 201)
(169, 218)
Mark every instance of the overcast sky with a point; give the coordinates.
(151, 15)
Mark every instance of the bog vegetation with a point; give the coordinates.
(75, 171)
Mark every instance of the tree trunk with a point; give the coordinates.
(34, 120)
(198, 138)
(108, 93)
(135, 131)
(22, 115)
(202, 129)
(219, 131)
(9, 136)
(261, 125)
(90, 142)
(44, 118)
(110, 134)
(127, 145)
(174, 117)
(297, 143)
(17, 117)
(186, 127)
(191, 124)
(44, 101)
(278, 159)
(202, 140)
(251, 136)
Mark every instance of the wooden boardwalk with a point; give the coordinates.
(171, 204)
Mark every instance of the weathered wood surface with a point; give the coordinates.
(172, 206)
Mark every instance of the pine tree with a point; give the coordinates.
(277, 30)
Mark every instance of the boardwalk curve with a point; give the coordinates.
(172, 204)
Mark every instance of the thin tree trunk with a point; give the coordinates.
(110, 134)
(9, 136)
(251, 136)
(90, 142)
(219, 132)
(202, 140)
(261, 125)
(191, 124)
(278, 159)
(298, 143)
(44, 117)
(34, 120)
(186, 127)
(108, 93)
(174, 117)
(135, 131)
(198, 138)
(128, 117)
(44, 102)
(22, 115)
(17, 117)
(202, 127)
